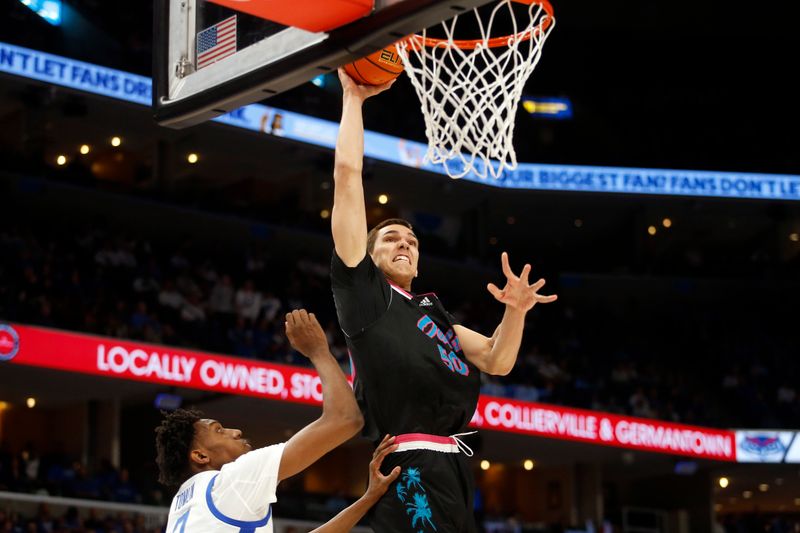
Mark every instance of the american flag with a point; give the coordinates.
(216, 42)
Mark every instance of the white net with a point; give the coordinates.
(470, 90)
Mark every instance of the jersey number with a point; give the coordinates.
(452, 361)
(181, 522)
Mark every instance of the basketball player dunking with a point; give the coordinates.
(416, 369)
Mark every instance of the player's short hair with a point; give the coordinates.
(173, 441)
(372, 236)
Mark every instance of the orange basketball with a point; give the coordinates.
(376, 69)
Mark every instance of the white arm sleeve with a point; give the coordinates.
(245, 488)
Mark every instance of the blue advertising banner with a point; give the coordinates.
(136, 89)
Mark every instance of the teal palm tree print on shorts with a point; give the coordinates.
(417, 506)
(420, 511)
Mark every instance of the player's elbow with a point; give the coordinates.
(499, 369)
(497, 366)
(344, 171)
(345, 425)
(355, 424)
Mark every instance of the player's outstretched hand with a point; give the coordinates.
(378, 483)
(305, 334)
(361, 91)
(517, 293)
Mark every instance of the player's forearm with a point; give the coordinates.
(505, 342)
(349, 218)
(339, 406)
(350, 140)
(347, 519)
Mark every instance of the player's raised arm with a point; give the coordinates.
(349, 218)
(341, 418)
(497, 354)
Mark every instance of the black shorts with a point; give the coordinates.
(434, 492)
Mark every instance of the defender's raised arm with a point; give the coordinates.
(341, 418)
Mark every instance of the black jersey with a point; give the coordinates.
(411, 375)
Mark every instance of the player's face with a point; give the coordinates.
(219, 444)
(396, 253)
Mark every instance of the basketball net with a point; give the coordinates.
(470, 89)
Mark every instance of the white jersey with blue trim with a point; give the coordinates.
(235, 499)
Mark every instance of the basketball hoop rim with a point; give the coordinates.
(417, 40)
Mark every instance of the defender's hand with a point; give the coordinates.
(517, 293)
(378, 483)
(305, 334)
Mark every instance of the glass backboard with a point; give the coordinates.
(212, 57)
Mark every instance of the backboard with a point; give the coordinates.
(212, 57)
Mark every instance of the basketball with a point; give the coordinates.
(377, 68)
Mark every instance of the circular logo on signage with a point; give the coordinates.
(9, 342)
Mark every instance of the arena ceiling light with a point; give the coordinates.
(49, 10)
(319, 81)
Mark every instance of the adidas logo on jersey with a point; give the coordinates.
(425, 302)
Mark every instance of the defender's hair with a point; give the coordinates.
(173, 440)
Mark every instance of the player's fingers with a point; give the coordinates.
(385, 441)
(494, 290)
(377, 461)
(302, 316)
(383, 87)
(506, 266)
(289, 319)
(372, 91)
(394, 474)
(525, 271)
(378, 448)
(547, 299)
(387, 446)
(386, 450)
(538, 285)
(313, 319)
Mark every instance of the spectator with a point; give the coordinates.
(221, 299)
(124, 491)
(248, 302)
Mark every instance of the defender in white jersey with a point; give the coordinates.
(227, 487)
